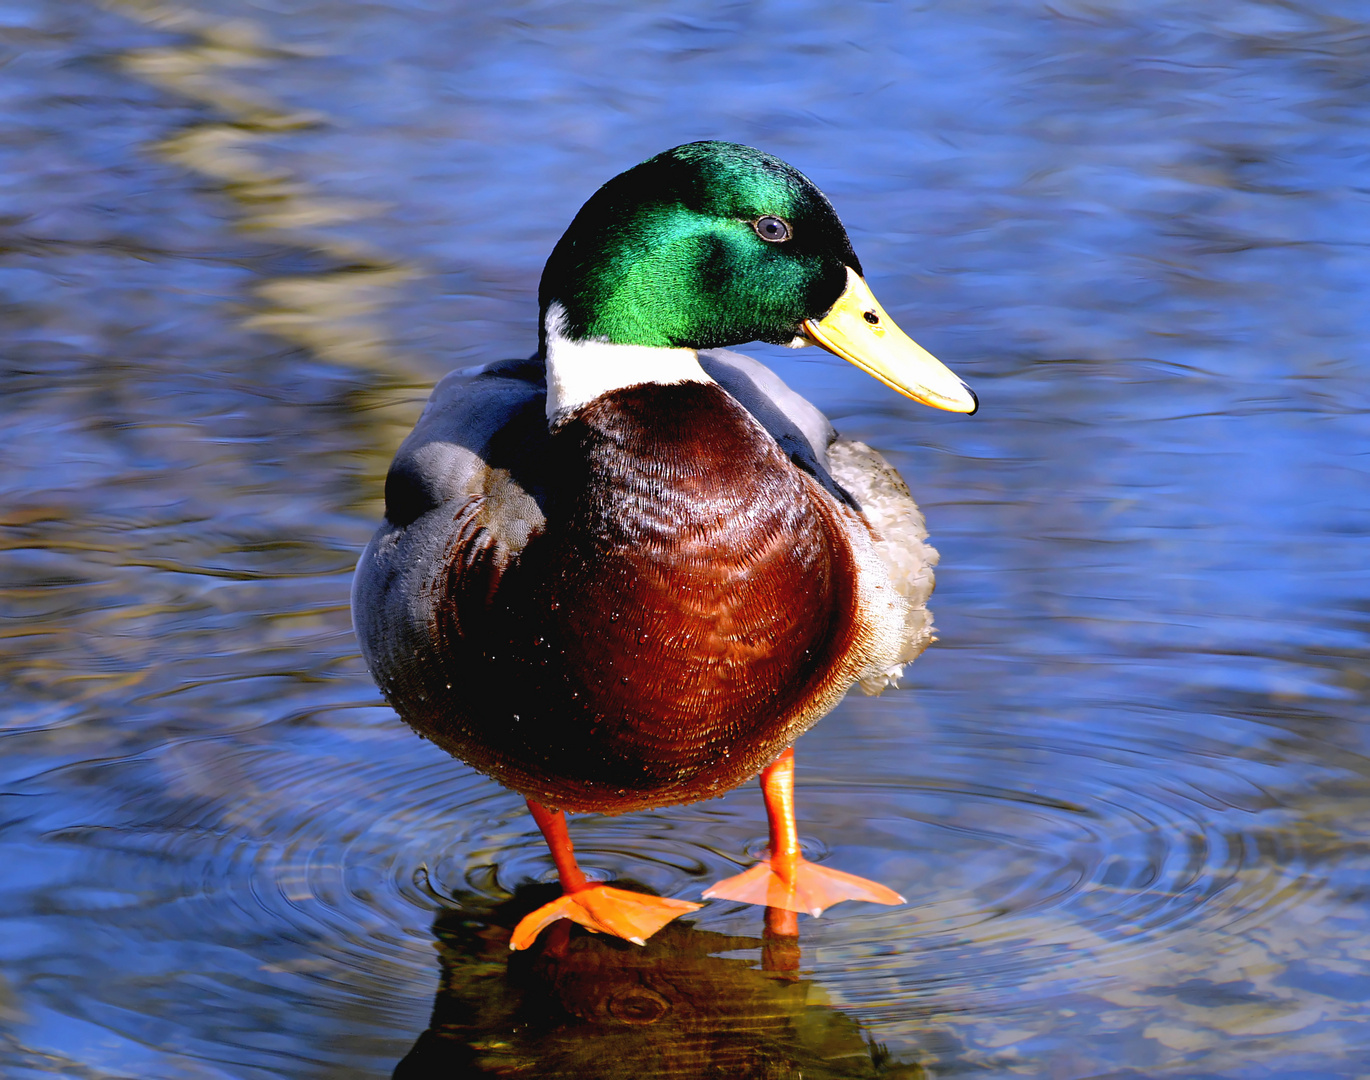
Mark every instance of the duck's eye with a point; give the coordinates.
(772, 229)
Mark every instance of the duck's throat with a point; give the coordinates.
(578, 372)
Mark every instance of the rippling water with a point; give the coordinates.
(1127, 793)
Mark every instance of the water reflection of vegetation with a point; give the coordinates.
(335, 310)
(581, 1005)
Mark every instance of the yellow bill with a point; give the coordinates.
(857, 329)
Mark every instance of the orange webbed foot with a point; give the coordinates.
(808, 888)
(604, 910)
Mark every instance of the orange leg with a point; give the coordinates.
(599, 908)
(786, 879)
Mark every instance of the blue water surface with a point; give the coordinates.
(1127, 792)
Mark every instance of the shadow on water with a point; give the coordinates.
(581, 1006)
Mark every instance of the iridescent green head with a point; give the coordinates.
(706, 245)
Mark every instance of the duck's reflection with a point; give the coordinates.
(588, 1006)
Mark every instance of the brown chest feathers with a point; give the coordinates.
(691, 598)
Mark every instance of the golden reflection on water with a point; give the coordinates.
(334, 314)
(580, 1006)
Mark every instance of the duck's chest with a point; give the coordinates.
(688, 569)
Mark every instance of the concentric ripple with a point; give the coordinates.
(347, 836)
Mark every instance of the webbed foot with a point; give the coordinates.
(604, 910)
(787, 880)
(808, 888)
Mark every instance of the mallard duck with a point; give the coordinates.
(629, 572)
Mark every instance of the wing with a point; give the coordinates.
(463, 498)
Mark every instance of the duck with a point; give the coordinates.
(630, 571)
